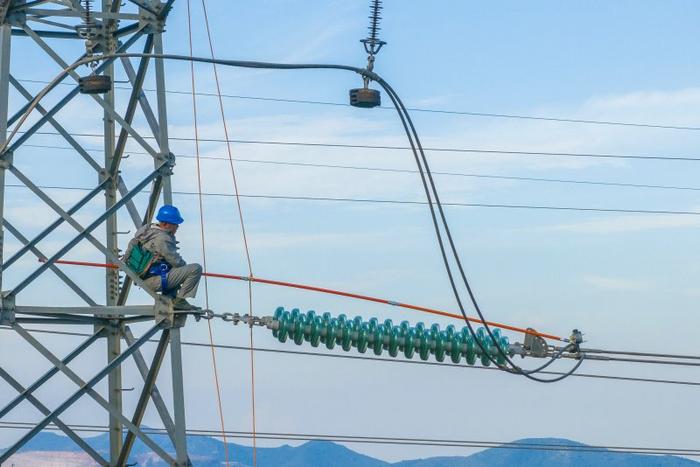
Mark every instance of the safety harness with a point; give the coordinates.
(161, 269)
(145, 263)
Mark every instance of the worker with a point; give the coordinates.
(153, 255)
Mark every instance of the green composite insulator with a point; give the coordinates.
(458, 345)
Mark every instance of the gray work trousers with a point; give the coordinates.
(184, 279)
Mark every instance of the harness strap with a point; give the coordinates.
(161, 269)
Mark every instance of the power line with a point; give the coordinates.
(386, 360)
(417, 109)
(410, 171)
(409, 202)
(500, 152)
(13, 425)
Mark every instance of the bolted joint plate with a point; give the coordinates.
(169, 160)
(163, 310)
(151, 23)
(7, 310)
(6, 159)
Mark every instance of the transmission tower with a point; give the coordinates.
(65, 31)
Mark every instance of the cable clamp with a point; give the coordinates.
(204, 314)
(168, 161)
(392, 303)
(6, 159)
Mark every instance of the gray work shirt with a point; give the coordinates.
(159, 242)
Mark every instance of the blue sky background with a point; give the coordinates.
(628, 280)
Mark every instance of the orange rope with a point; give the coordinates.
(242, 223)
(204, 252)
(348, 295)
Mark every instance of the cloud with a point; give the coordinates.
(624, 224)
(614, 283)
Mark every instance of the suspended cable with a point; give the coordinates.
(201, 225)
(353, 439)
(417, 109)
(498, 152)
(242, 225)
(408, 171)
(432, 193)
(411, 203)
(264, 350)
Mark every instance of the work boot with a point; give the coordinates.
(183, 305)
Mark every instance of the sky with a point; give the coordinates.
(629, 281)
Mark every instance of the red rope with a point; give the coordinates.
(340, 293)
(201, 224)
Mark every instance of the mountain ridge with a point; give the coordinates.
(208, 452)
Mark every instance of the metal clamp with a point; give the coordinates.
(535, 345)
(168, 161)
(7, 310)
(6, 159)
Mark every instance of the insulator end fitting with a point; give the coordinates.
(95, 84)
(365, 98)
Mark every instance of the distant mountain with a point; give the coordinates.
(51, 450)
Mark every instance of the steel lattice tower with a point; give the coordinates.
(107, 28)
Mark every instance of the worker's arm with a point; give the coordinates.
(166, 246)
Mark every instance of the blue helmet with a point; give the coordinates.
(170, 214)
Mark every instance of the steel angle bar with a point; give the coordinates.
(53, 23)
(130, 206)
(66, 135)
(69, 318)
(143, 99)
(78, 14)
(86, 387)
(132, 105)
(45, 411)
(150, 211)
(55, 224)
(47, 34)
(61, 275)
(26, 106)
(126, 30)
(46, 376)
(141, 4)
(104, 104)
(87, 310)
(67, 98)
(163, 140)
(66, 321)
(142, 403)
(178, 397)
(85, 232)
(155, 393)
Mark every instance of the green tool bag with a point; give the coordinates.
(139, 259)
